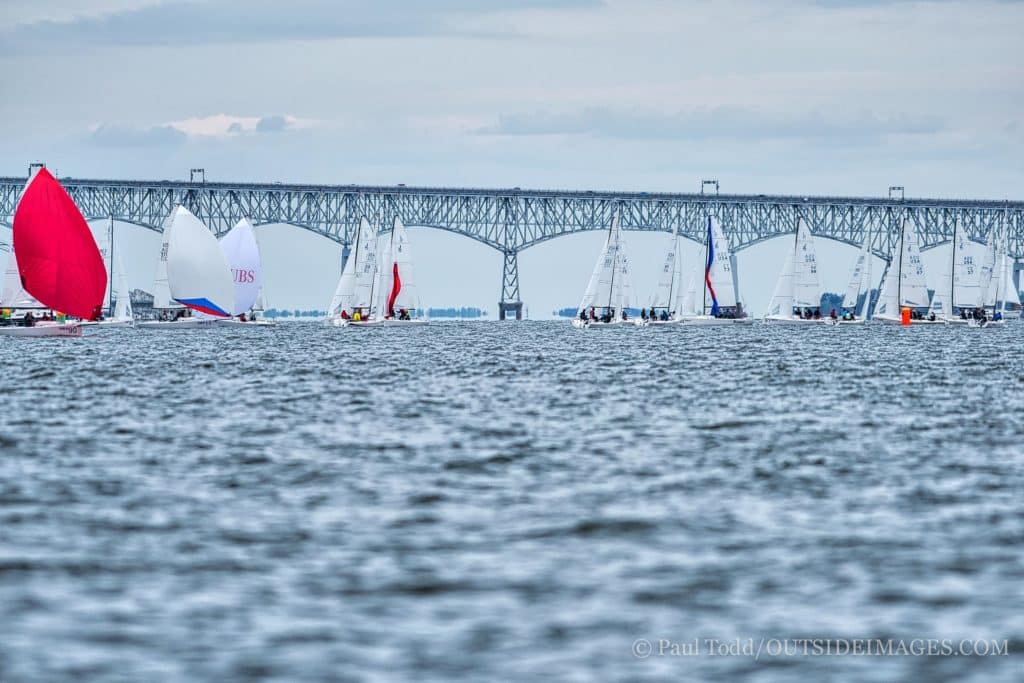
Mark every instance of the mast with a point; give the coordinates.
(373, 280)
(110, 275)
(792, 283)
(704, 286)
(675, 267)
(899, 271)
(615, 264)
(952, 276)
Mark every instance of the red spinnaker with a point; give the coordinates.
(58, 260)
(396, 287)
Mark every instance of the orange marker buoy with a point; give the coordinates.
(905, 317)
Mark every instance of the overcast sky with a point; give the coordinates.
(793, 96)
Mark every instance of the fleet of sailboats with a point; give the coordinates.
(60, 277)
(607, 295)
(377, 287)
(797, 297)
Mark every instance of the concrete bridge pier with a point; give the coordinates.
(510, 302)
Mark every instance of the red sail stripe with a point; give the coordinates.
(58, 260)
(396, 287)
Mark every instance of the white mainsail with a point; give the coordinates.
(858, 276)
(161, 290)
(105, 242)
(913, 290)
(198, 275)
(688, 301)
(987, 273)
(356, 285)
(781, 303)
(669, 279)
(599, 289)
(806, 286)
(1009, 297)
(396, 282)
(242, 253)
(122, 295)
(14, 295)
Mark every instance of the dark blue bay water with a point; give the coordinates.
(484, 501)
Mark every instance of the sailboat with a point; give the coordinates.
(397, 301)
(607, 295)
(716, 301)
(959, 290)
(242, 253)
(358, 287)
(904, 285)
(192, 275)
(860, 282)
(54, 264)
(993, 281)
(664, 310)
(117, 314)
(1008, 297)
(797, 297)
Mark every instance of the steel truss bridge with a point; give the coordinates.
(512, 220)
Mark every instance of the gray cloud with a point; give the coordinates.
(271, 124)
(128, 136)
(252, 21)
(734, 123)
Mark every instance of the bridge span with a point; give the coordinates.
(512, 220)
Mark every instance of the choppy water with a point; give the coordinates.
(485, 501)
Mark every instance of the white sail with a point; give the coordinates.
(365, 276)
(865, 311)
(966, 290)
(987, 274)
(598, 292)
(104, 238)
(242, 253)
(1009, 297)
(888, 301)
(356, 286)
(688, 305)
(14, 295)
(622, 292)
(161, 291)
(806, 286)
(721, 267)
(942, 300)
(781, 303)
(913, 290)
(857, 276)
(198, 275)
(669, 283)
(402, 280)
(122, 295)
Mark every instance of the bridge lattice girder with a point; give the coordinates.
(513, 220)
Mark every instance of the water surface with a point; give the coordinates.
(483, 501)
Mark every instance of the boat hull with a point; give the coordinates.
(338, 322)
(43, 330)
(183, 324)
(596, 325)
(915, 323)
(786, 320)
(711, 321)
(231, 322)
(105, 324)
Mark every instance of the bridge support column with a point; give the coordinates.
(1018, 266)
(510, 302)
